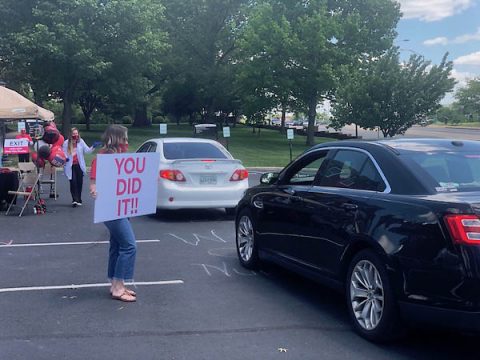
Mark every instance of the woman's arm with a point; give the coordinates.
(65, 147)
(87, 149)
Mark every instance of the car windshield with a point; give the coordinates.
(192, 150)
(449, 171)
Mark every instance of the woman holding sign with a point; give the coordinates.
(123, 248)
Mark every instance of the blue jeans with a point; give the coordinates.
(123, 248)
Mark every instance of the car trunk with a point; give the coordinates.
(467, 201)
(207, 172)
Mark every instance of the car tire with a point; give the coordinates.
(231, 211)
(370, 299)
(247, 249)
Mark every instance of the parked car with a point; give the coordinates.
(197, 173)
(276, 122)
(394, 224)
(297, 124)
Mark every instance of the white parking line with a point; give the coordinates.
(81, 286)
(69, 243)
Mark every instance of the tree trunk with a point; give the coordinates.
(67, 112)
(312, 114)
(87, 122)
(236, 119)
(284, 116)
(88, 102)
(141, 118)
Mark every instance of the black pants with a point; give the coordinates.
(23, 157)
(76, 183)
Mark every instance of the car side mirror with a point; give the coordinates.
(268, 178)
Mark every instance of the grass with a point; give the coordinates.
(268, 148)
(466, 124)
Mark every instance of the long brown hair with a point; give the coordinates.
(70, 140)
(113, 137)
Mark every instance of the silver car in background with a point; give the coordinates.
(196, 174)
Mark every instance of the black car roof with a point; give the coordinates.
(405, 145)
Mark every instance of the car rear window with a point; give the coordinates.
(192, 150)
(448, 171)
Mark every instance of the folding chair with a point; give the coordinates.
(27, 187)
(49, 176)
(26, 167)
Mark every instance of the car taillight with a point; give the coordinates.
(239, 174)
(172, 175)
(464, 229)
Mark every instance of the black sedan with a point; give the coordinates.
(394, 224)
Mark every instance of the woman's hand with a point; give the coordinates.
(93, 190)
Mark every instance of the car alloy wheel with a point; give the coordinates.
(371, 299)
(367, 295)
(245, 240)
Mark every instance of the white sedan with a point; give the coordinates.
(197, 173)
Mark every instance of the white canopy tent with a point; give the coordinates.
(14, 106)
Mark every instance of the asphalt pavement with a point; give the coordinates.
(194, 299)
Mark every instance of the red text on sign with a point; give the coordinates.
(129, 165)
(127, 206)
(128, 186)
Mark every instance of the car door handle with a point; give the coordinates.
(349, 207)
(296, 198)
(289, 191)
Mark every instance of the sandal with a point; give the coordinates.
(128, 291)
(125, 297)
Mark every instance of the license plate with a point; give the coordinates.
(208, 179)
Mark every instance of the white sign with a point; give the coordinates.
(15, 146)
(126, 185)
(21, 126)
(289, 134)
(163, 129)
(226, 131)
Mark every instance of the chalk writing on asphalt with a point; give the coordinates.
(223, 252)
(197, 238)
(210, 269)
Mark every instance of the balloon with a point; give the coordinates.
(44, 152)
(52, 124)
(51, 134)
(60, 141)
(38, 160)
(57, 157)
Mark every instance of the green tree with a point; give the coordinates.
(202, 36)
(449, 115)
(179, 100)
(468, 98)
(263, 63)
(59, 44)
(392, 96)
(324, 37)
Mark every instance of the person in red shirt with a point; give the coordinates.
(23, 135)
(123, 248)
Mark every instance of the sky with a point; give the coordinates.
(433, 27)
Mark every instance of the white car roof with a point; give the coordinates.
(183, 139)
(161, 141)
